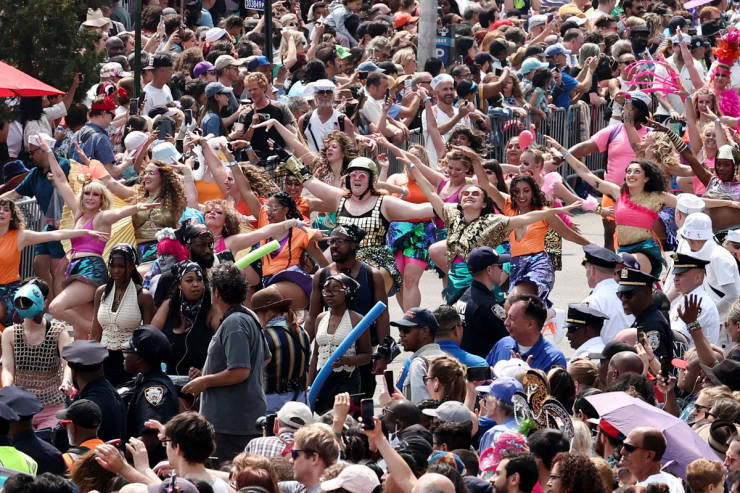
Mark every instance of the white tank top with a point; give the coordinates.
(316, 131)
(119, 326)
(328, 343)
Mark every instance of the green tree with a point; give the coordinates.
(43, 39)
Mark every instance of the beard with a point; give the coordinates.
(205, 261)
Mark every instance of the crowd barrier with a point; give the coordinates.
(567, 126)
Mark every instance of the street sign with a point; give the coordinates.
(254, 4)
(445, 49)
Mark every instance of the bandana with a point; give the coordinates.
(354, 232)
(189, 309)
(106, 105)
(185, 267)
(349, 285)
(440, 79)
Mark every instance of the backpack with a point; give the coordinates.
(306, 122)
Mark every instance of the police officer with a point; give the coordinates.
(10, 457)
(481, 305)
(153, 395)
(600, 264)
(584, 326)
(635, 291)
(26, 405)
(85, 359)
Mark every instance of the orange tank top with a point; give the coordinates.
(207, 191)
(416, 196)
(11, 256)
(533, 240)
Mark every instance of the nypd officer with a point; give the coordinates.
(635, 291)
(85, 359)
(153, 395)
(26, 405)
(10, 457)
(584, 329)
(600, 264)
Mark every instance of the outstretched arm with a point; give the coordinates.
(582, 170)
(543, 215)
(27, 237)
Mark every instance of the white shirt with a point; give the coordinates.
(708, 316)
(156, 97)
(722, 274)
(673, 483)
(316, 130)
(604, 298)
(441, 118)
(593, 345)
(372, 109)
(43, 124)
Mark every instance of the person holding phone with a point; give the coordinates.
(217, 99)
(333, 327)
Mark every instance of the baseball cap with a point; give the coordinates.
(531, 64)
(112, 69)
(556, 49)
(676, 22)
(133, 141)
(481, 257)
(150, 344)
(537, 20)
(295, 414)
(258, 61)
(33, 140)
(733, 236)
(214, 88)
(404, 18)
(417, 317)
(689, 203)
(502, 389)
(354, 478)
(696, 42)
(727, 152)
(369, 67)
(159, 60)
(697, 226)
(214, 34)
(450, 411)
(224, 61)
(84, 413)
(201, 68)
(570, 9)
(509, 367)
(165, 152)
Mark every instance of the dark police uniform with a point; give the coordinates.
(153, 395)
(87, 356)
(26, 405)
(10, 457)
(651, 320)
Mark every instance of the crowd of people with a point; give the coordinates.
(149, 352)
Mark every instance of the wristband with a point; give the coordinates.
(598, 210)
(412, 165)
(692, 326)
(424, 100)
(49, 151)
(229, 164)
(565, 154)
(716, 121)
(249, 149)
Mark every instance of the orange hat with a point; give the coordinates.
(404, 18)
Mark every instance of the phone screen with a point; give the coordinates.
(133, 106)
(368, 412)
(388, 375)
(479, 373)
(188, 116)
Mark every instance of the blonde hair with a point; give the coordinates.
(585, 372)
(319, 439)
(96, 186)
(581, 443)
(404, 56)
(703, 473)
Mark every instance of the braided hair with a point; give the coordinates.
(285, 200)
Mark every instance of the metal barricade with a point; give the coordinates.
(34, 222)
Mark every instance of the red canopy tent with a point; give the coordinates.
(14, 83)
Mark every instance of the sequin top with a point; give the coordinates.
(147, 223)
(487, 230)
(372, 221)
(39, 368)
(635, 215)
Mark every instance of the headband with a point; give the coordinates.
(354, 232)
(180, 269)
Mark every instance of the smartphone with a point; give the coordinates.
(479, 373)
(188, 116)
(165, 128)
(264, 117)
(549, 17)
(363, 75)
(355, 403)
(82, 76)
(407, 84)
(368, 413)
(270, 424)
(460, 60)
(387, 94)
(497, 72)
(640, 336)
(388, 376)
(133, 106)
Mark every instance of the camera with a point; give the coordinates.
(388, 350)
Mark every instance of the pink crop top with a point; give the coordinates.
(452, 199)
(628, 213)
(87, 244)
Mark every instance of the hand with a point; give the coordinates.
(656, 125)
(666, 385)
(144, 206)
(110, 458)
(567, 209)
(194, 373)
(138, 452)
(104, 237)
(690, 310)
(375, 434)
(343, 361)
(644, 356)
(163, 469)
(195, 386)
(675, 116)
(379, 365)
(467, 151)
(383, 161)
(555, 144)
(516, 355)
(607, 211)
(78, 79)
(465, 109)
(67, 388)
(267, 124)
(341, 407)
(318, 30)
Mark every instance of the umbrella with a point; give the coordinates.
(14, 83)
(626, 413)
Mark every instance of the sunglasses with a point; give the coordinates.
(294, 453)
(629, 447)
(325, 92)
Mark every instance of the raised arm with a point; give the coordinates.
(429, 192)
(543, 215)
(60, 179)
(499, 198)
(582, 170)
(245, 189)
(299, 148)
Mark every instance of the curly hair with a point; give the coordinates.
(656, 178)
(17, 221)
(538, 198)
(172, 191)
(230, 282)
(662, 150)
(423, 154)
(231, 217)
(451, 375)
(475, 137)
(259, 179)
(187, 61)
(320, 167)
(287, 201)
(578, 473)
